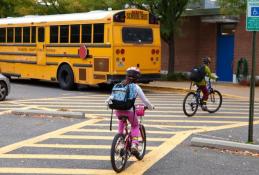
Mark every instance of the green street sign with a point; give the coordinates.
(252, 15)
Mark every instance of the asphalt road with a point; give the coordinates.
(56, 145)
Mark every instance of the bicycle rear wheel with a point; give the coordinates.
(214, 101)
(119, 153)
(142, 143)
(190, 104)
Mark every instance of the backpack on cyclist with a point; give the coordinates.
(198, 73)
(123, 96)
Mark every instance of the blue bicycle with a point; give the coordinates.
(194, 99)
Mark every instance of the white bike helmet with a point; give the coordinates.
(133, 73)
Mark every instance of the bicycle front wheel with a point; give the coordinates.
(214, 101)
(142, 143)
(190, 104)
(119, 153)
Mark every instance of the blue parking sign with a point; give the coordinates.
(254, 11)
(252, 15)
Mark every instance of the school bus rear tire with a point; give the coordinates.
(66, 77)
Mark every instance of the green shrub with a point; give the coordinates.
(178, 76)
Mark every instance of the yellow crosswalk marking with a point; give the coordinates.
(99, 138)
(187, 121)
(69, 146)
(14, 170)
(157, 126)
(114, 131)
(40, 138)
(54, 156)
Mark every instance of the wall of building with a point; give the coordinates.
(194, 41)
(243, 45)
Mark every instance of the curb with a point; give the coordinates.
(159, 88)
(221, 144)
(79, 115)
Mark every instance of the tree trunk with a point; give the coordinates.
(171, 60)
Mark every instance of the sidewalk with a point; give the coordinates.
(229, 89)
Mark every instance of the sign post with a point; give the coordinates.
(252, 24)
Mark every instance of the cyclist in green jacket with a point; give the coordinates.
(202, 84)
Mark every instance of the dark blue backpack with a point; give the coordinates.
(198, 73)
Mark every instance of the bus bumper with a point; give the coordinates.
(145, 78)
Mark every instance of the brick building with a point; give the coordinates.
(206, 32)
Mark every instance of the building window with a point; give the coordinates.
(2, 35)
(26, 34)
(54, 34)
(64, 32)
(10, 35)
(33, 34)
(75, 34)
(227, 29)
(98, 33)
(86, 33)
(18, 34)
(41, 34)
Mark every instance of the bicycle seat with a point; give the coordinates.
(123, 117)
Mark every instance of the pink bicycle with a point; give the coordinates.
(121, 145)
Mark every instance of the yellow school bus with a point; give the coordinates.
(81, 48)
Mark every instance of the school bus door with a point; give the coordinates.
(41, 48)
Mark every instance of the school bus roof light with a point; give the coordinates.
(152, 19)
(119, 17)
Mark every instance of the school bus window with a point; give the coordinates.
(10, 35)
(75, 34)
(26, 34)
(41, 34)
(54, 34)
(2, 35)
(86, 33)
(64, 32)
(137, 35)
(98, 33)
(18, 34)
(33, 34)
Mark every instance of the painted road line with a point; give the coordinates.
(154, 156)
(102, 105)
(69, 146)
(40, 138)
(151, 158)
(108, 131)
(184, 116)
(154, 112)
(5, 112)
(175, 101)
(186, 121)
(99, 138)
(53, 156)
(157, 126)
(14, 170)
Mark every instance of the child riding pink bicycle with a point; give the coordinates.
(123, 99)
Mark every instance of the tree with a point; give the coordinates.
(6, 8)
(68, 6)
(169, 13)
(233, 7)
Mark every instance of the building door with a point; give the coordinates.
(225, 52)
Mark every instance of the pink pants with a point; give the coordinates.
(133, 121)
